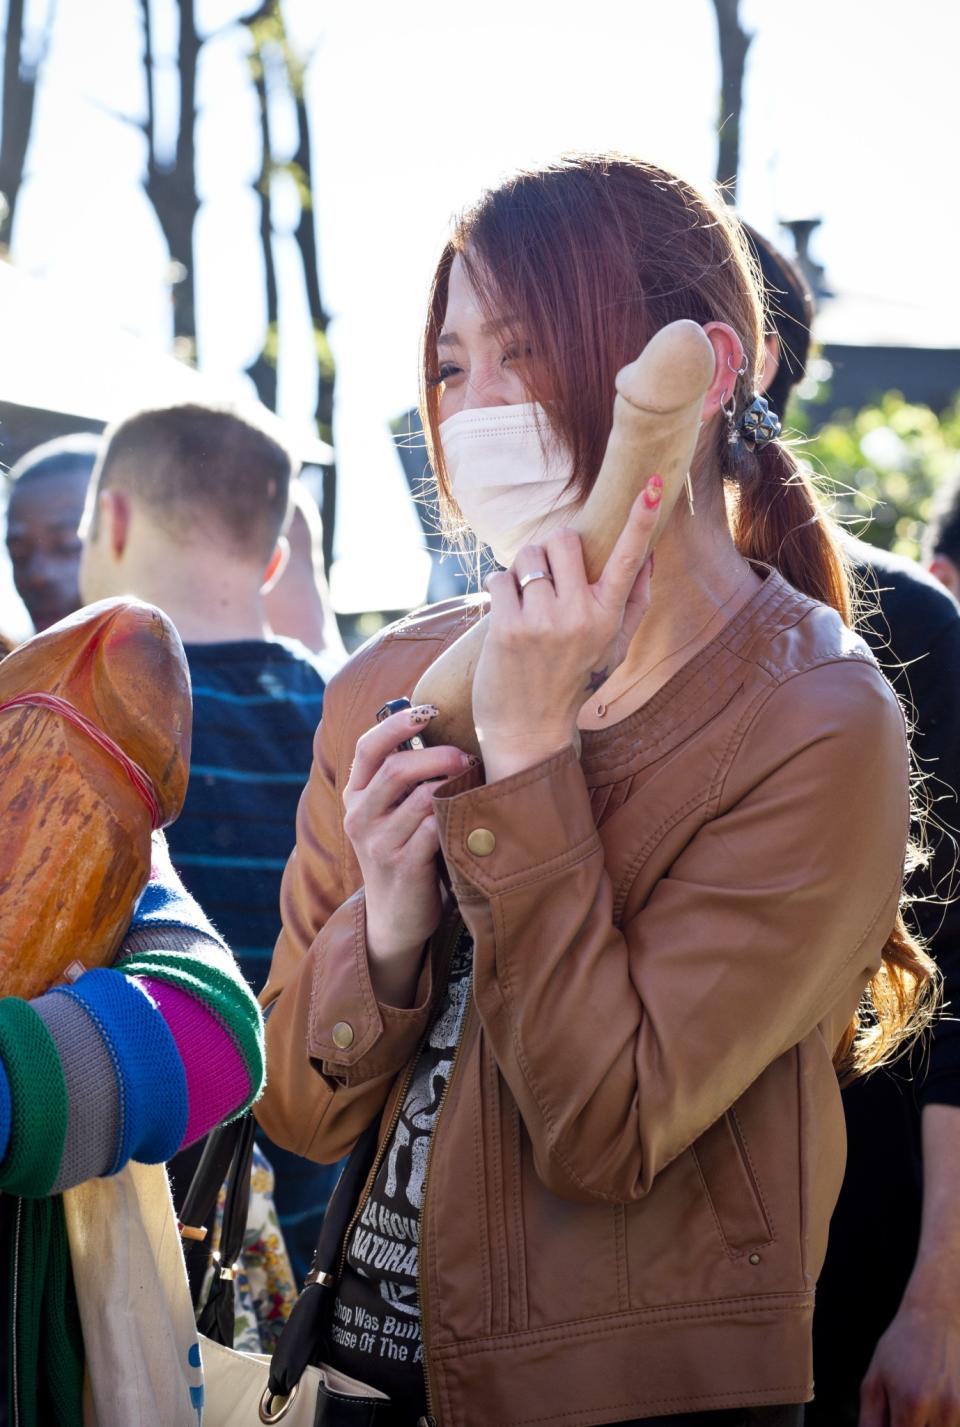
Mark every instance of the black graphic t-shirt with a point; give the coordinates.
(376, 1317)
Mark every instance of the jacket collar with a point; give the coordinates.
(699, 690)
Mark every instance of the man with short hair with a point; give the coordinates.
(49, 485)
(941, 543)
(185, 510)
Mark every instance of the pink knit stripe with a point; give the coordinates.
(217, 1078)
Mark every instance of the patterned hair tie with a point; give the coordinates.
(758, 424)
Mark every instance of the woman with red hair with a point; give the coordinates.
(600, 1035)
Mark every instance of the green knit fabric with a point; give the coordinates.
(38, 1093)
(47, 1377)
(62, 1345)
(224, 992)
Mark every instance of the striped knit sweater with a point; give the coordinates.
(129, 1062)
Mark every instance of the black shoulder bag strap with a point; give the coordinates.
(227, 1158)
(302, 1339)
(228, 1155)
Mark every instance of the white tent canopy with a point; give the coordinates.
(56, 356)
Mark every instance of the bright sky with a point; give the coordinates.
(849, 114)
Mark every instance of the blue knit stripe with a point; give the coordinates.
(6, 1111)
(150, 1075)
(166, 903)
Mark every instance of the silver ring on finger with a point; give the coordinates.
(534, 575)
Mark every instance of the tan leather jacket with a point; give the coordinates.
(632, 1175)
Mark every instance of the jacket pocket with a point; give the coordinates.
(731, 1187)
(503, 1194)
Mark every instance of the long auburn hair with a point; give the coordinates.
(588, 258)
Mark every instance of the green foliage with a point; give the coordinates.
(883, 466)
(301, 183)
(271, 344)
(325, 358)
(268, 30)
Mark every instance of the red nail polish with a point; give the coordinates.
(651, 499)
(656, 481)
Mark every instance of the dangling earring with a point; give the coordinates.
(730, 417)
(730, 412)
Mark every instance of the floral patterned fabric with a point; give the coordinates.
(264, 1288)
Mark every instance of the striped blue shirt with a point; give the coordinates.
(256, 706)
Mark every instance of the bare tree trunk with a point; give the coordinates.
(272, 46)
(734, 43)
(19, 97)
(263, 370)
(172, 187)
(306, 236)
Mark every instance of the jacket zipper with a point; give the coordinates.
(384, 1142)
(430, 1419)
(15, 1365)
(377, 1161)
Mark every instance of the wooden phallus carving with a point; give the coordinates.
(86, 772)
(656, 422)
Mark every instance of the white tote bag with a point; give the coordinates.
(236, 1384)
(139, 1334)
(146, 1365)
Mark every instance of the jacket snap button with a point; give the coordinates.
(343, 1035)
(754, 1258)
(481, 842)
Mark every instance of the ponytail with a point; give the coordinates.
(780, 520)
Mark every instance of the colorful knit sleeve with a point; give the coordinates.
(131, 1062)
(174, 954)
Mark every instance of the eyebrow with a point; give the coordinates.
(489, 329)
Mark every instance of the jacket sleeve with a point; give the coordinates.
(623, 1043)
(320, 1095)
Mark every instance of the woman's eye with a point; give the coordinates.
(446, 373)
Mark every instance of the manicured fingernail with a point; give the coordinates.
(651, 496)
(656, 481)
(423, 713)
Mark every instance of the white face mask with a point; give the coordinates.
(508, 474)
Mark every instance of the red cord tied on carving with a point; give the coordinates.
(54, 704)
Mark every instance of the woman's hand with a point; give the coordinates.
(388, 817)
(551, 644)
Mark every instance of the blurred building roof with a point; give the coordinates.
(854, 319)
(56, 356)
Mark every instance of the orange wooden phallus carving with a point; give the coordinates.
(76, 816)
